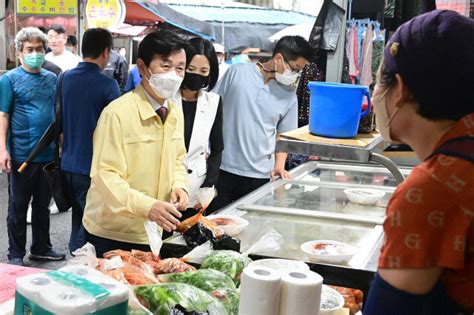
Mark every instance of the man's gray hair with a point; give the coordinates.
(28, 34)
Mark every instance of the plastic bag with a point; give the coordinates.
(172, 265)
(214, 282)
(199, 253)
(134, 306)
(170, 298)
(154, 237)
(86, 255)
(205, 195)
(227, 261)
(199, 234)
(269, 242)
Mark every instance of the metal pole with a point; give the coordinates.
(222, 25)
(15, 27)
(78, 26)
(350, 10)
(389, 164)
(3, 38)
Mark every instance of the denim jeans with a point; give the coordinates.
(22, 187)
(78, 185)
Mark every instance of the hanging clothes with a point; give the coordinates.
(311, 72)
(377, 48)
(352, 54)
(366, 69)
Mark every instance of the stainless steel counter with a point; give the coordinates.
(312, 206)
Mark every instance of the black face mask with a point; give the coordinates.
(194, 81)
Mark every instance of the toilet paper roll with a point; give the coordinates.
(31, 286)
(300, 293)
(259, 291)
(62, 299)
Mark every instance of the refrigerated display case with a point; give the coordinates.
(312, 205)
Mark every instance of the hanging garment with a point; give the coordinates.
(311, 72)
(367, 48)
(360, 38)
(377, 49)
(351, 53)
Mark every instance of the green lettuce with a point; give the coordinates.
(162, 299)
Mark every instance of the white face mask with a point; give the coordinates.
(166, 85)
(381, 116)
(287, 77)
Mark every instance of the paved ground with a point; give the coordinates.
(59, 231)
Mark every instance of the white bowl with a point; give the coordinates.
(364, 196)
(330, 297)
(281, 264)
(332, 252)
(232, 229)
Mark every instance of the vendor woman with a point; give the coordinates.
(424, 97)
(137, 169)
(202, 111)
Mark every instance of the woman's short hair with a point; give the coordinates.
(200, 46)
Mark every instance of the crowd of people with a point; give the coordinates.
(146, 150)
(142, 155)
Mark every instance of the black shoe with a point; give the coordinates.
(16, 261)
(49, 255)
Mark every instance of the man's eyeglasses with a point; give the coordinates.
(293, 70)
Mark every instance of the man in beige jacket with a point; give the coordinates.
(137, 172)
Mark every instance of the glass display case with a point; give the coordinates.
(312, 205)
(297, 230)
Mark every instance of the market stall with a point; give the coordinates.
(313, 206)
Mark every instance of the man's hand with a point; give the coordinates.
(280, 172)
(165, 215)
(180, 198)
(5, 161)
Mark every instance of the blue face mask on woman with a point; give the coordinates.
(34, 60)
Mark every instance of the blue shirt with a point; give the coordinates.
(85, 93)
(29, 99)
(134, 79)
(253, 114)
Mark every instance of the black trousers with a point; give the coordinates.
(78, 185)
(21, 189)
(231, 187)
(103, 245)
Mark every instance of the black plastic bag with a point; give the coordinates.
(198, 234)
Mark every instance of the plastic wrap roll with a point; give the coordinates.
(300, 293)
(259, 291)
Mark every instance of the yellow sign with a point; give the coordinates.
(105, 13)
(47, 7)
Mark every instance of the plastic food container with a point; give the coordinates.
(331, 301)
(329, 251)
(364, 196)
(231, 224)
(281, 264)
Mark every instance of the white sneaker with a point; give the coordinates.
(28, 215)
(53, 209)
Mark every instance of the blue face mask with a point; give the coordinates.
(34, 60)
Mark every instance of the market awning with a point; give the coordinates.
(142, 12)
(138, 15)
(128, 30)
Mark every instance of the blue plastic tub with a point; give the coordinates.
(336, 109)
